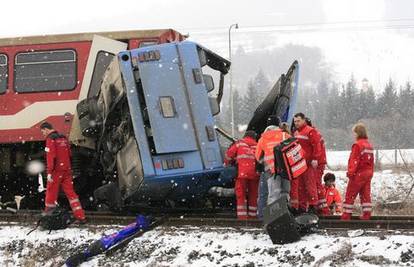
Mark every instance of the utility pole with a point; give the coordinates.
(236, 25)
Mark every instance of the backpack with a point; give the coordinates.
(289, 157)
(55, 219)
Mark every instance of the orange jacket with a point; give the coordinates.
(333, 197)
(270, 138)
(242, 152)
(361, 160)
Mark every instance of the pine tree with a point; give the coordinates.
(250, 102)
(238, 110)
(262, 85)
(224, 118)
(350, 102)
(342, 109)
(406, 101)
(370, 103)
(387, 102)
(321, 103)
(332, 119)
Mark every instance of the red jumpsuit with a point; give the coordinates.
(247, 181)
(333, 199)
(303, 189)
(59, 167)
(322, 205)
(360, 172)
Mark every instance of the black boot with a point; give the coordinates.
(300, 211)
(313, 210)
(293, 211)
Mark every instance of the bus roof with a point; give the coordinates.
(76, 37)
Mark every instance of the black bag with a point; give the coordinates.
(279, 222)
(55, 219)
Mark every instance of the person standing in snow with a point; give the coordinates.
(241, 153)
(271, 137)
(360, 172)
(322, 205)
(332, 195)
(304, 189)
(59, 171)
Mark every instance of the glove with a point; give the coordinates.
(314, 163)
(49, 178)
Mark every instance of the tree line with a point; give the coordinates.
(334, 108)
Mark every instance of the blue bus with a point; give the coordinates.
(151, 125)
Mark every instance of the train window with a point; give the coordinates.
(3, 73)
(167, 106)
(45, 71)
(103, 59)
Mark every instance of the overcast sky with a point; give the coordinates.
(369, 38)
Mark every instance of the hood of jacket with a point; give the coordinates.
(248, 140)
(270, 132)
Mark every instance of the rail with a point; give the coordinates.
(221, 220)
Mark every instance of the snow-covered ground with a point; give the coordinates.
(190, 246)
(386, 186)
(385, 157)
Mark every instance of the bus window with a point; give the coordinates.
(103, 59)
(3, 73)
(45, 71)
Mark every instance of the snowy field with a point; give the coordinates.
(189, 246)
(385, 157)
(386, 186)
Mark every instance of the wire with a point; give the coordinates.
(308, 27)
(399, 27)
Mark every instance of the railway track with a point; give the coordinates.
(220, 220)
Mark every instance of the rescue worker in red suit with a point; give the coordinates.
(59, 172)
(270, 190)
(333, 197)
(360, 172)
(241, 153)
(303, 189)
(323, 207)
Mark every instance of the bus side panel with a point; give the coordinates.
(166, 100)
(125, 66)
(204, 121)
(173, 163)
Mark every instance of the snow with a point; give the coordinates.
(385, 157)
(193, 246)
(386, 185)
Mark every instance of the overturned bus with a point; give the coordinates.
(138, 108)
(152, 125)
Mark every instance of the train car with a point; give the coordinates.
(41, 79)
